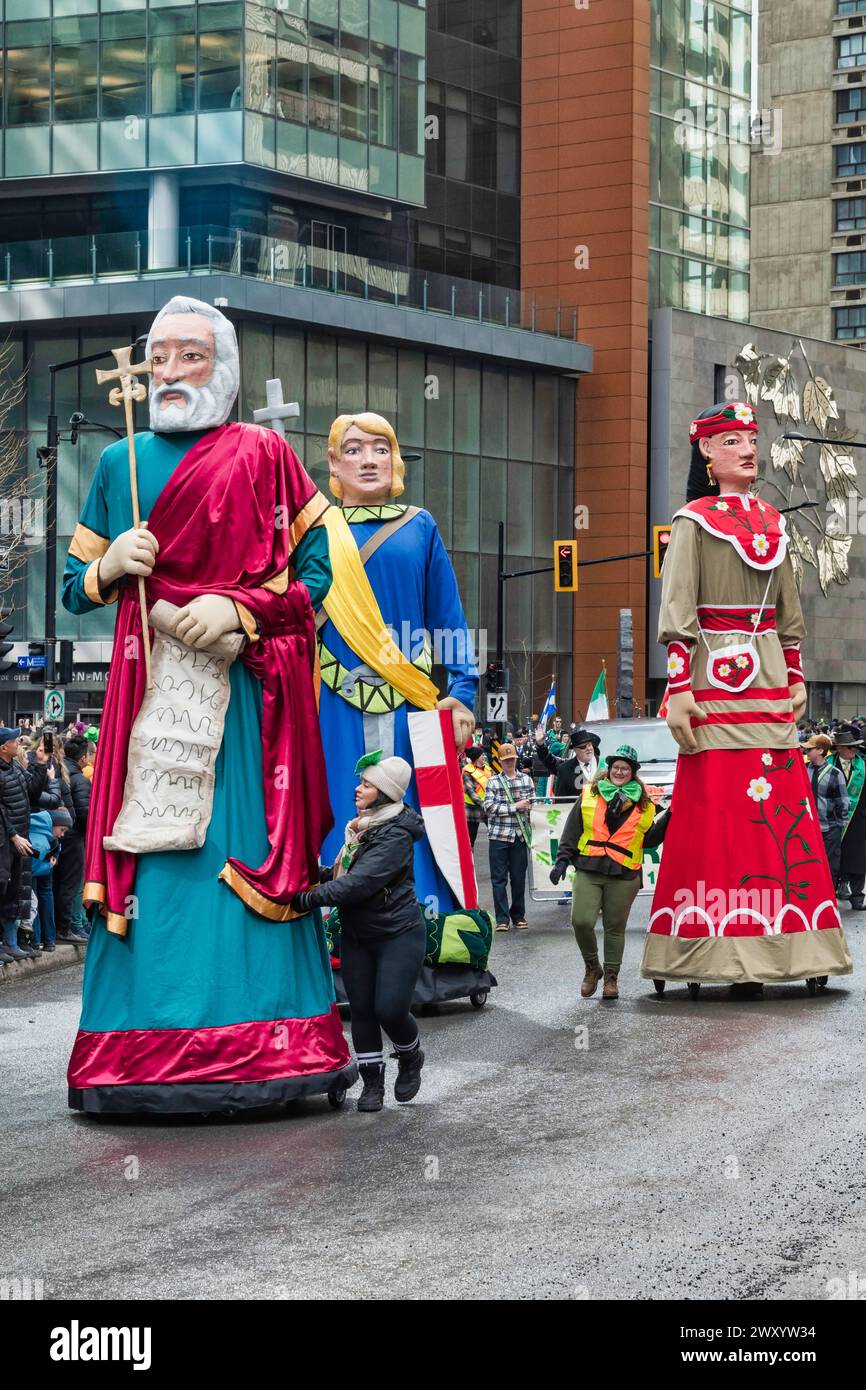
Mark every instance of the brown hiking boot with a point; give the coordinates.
(590, 980)
(610, 990)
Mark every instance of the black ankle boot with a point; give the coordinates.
(408, 1082)
(373, 1095)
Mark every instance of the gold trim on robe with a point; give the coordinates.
(248, 622)
(91, 586)
(307, 517)
(87, 545)
(93, 895)
(256, 901)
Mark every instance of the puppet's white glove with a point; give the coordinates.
(682, 708)
(206, 618)
(462, 719)
(133, 552)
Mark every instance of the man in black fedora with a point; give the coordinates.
(574, 773)
(848, 757)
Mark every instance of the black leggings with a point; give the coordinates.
(379, 977)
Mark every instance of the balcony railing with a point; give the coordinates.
(207, 250)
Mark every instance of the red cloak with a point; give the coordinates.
(227, 522)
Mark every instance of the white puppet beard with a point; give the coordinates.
(205, 407)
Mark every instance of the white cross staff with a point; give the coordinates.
(276, 412)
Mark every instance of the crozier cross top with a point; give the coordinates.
(276, 412)
(125, 373)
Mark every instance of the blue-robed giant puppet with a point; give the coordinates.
(394, 609)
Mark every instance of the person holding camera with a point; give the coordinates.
(384, 935)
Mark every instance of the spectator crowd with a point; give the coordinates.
(45, 781)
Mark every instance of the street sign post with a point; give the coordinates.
(497, 707)
(54, 705)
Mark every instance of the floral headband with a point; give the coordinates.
(736, 416)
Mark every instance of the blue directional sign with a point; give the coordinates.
(32, 663)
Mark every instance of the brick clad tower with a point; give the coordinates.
(584, 240)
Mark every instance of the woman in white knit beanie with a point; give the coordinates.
(384, 935)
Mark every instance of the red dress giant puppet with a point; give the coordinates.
(744, 893)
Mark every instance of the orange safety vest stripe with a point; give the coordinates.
(625, 845)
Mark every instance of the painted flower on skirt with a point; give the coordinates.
(745, 413)
(767, 759)
(721, 507)
(676, 665)
(725, 668)
(742, 661)
(759, 789)
(760, 545)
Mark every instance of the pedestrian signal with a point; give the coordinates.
(565, 566)
(37, 661)
(661, 541)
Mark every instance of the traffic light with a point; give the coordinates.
(496, 677)
(5, 647)
(565, 566)
(64, 664)
(36, 674)
(661, 541)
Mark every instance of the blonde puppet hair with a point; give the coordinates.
(370, 424)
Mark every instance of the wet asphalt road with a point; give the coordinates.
(709, 1149)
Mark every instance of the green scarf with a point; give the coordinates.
(631, 789)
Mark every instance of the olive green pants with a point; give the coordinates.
(612, 897)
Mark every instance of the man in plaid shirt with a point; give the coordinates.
(507, 800)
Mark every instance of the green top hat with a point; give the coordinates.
(625, 751)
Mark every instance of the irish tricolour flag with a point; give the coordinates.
(597, 708)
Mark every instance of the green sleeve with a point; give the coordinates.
(94, 517)
(312, 564)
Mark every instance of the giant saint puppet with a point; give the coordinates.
(393, 610)
(203, 991)
(744, 894)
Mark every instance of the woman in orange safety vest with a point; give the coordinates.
(604, 839)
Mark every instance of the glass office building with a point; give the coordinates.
(701, 134)
(330, 90)
(273, 157)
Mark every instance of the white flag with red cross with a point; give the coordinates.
(440, 796)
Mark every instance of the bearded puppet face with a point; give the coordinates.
(194, 353)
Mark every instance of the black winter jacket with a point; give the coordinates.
(48, 800)
(376, 894)
(80, 788)
(21, 792)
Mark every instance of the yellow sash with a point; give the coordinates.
(351, 605)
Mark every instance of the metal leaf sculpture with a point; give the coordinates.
(833, 561)
(787, 454)
(838, 471)
(780, 389)
(818, 403)
(800, 468)
(748, 364)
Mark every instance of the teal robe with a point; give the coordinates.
(195, 956)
